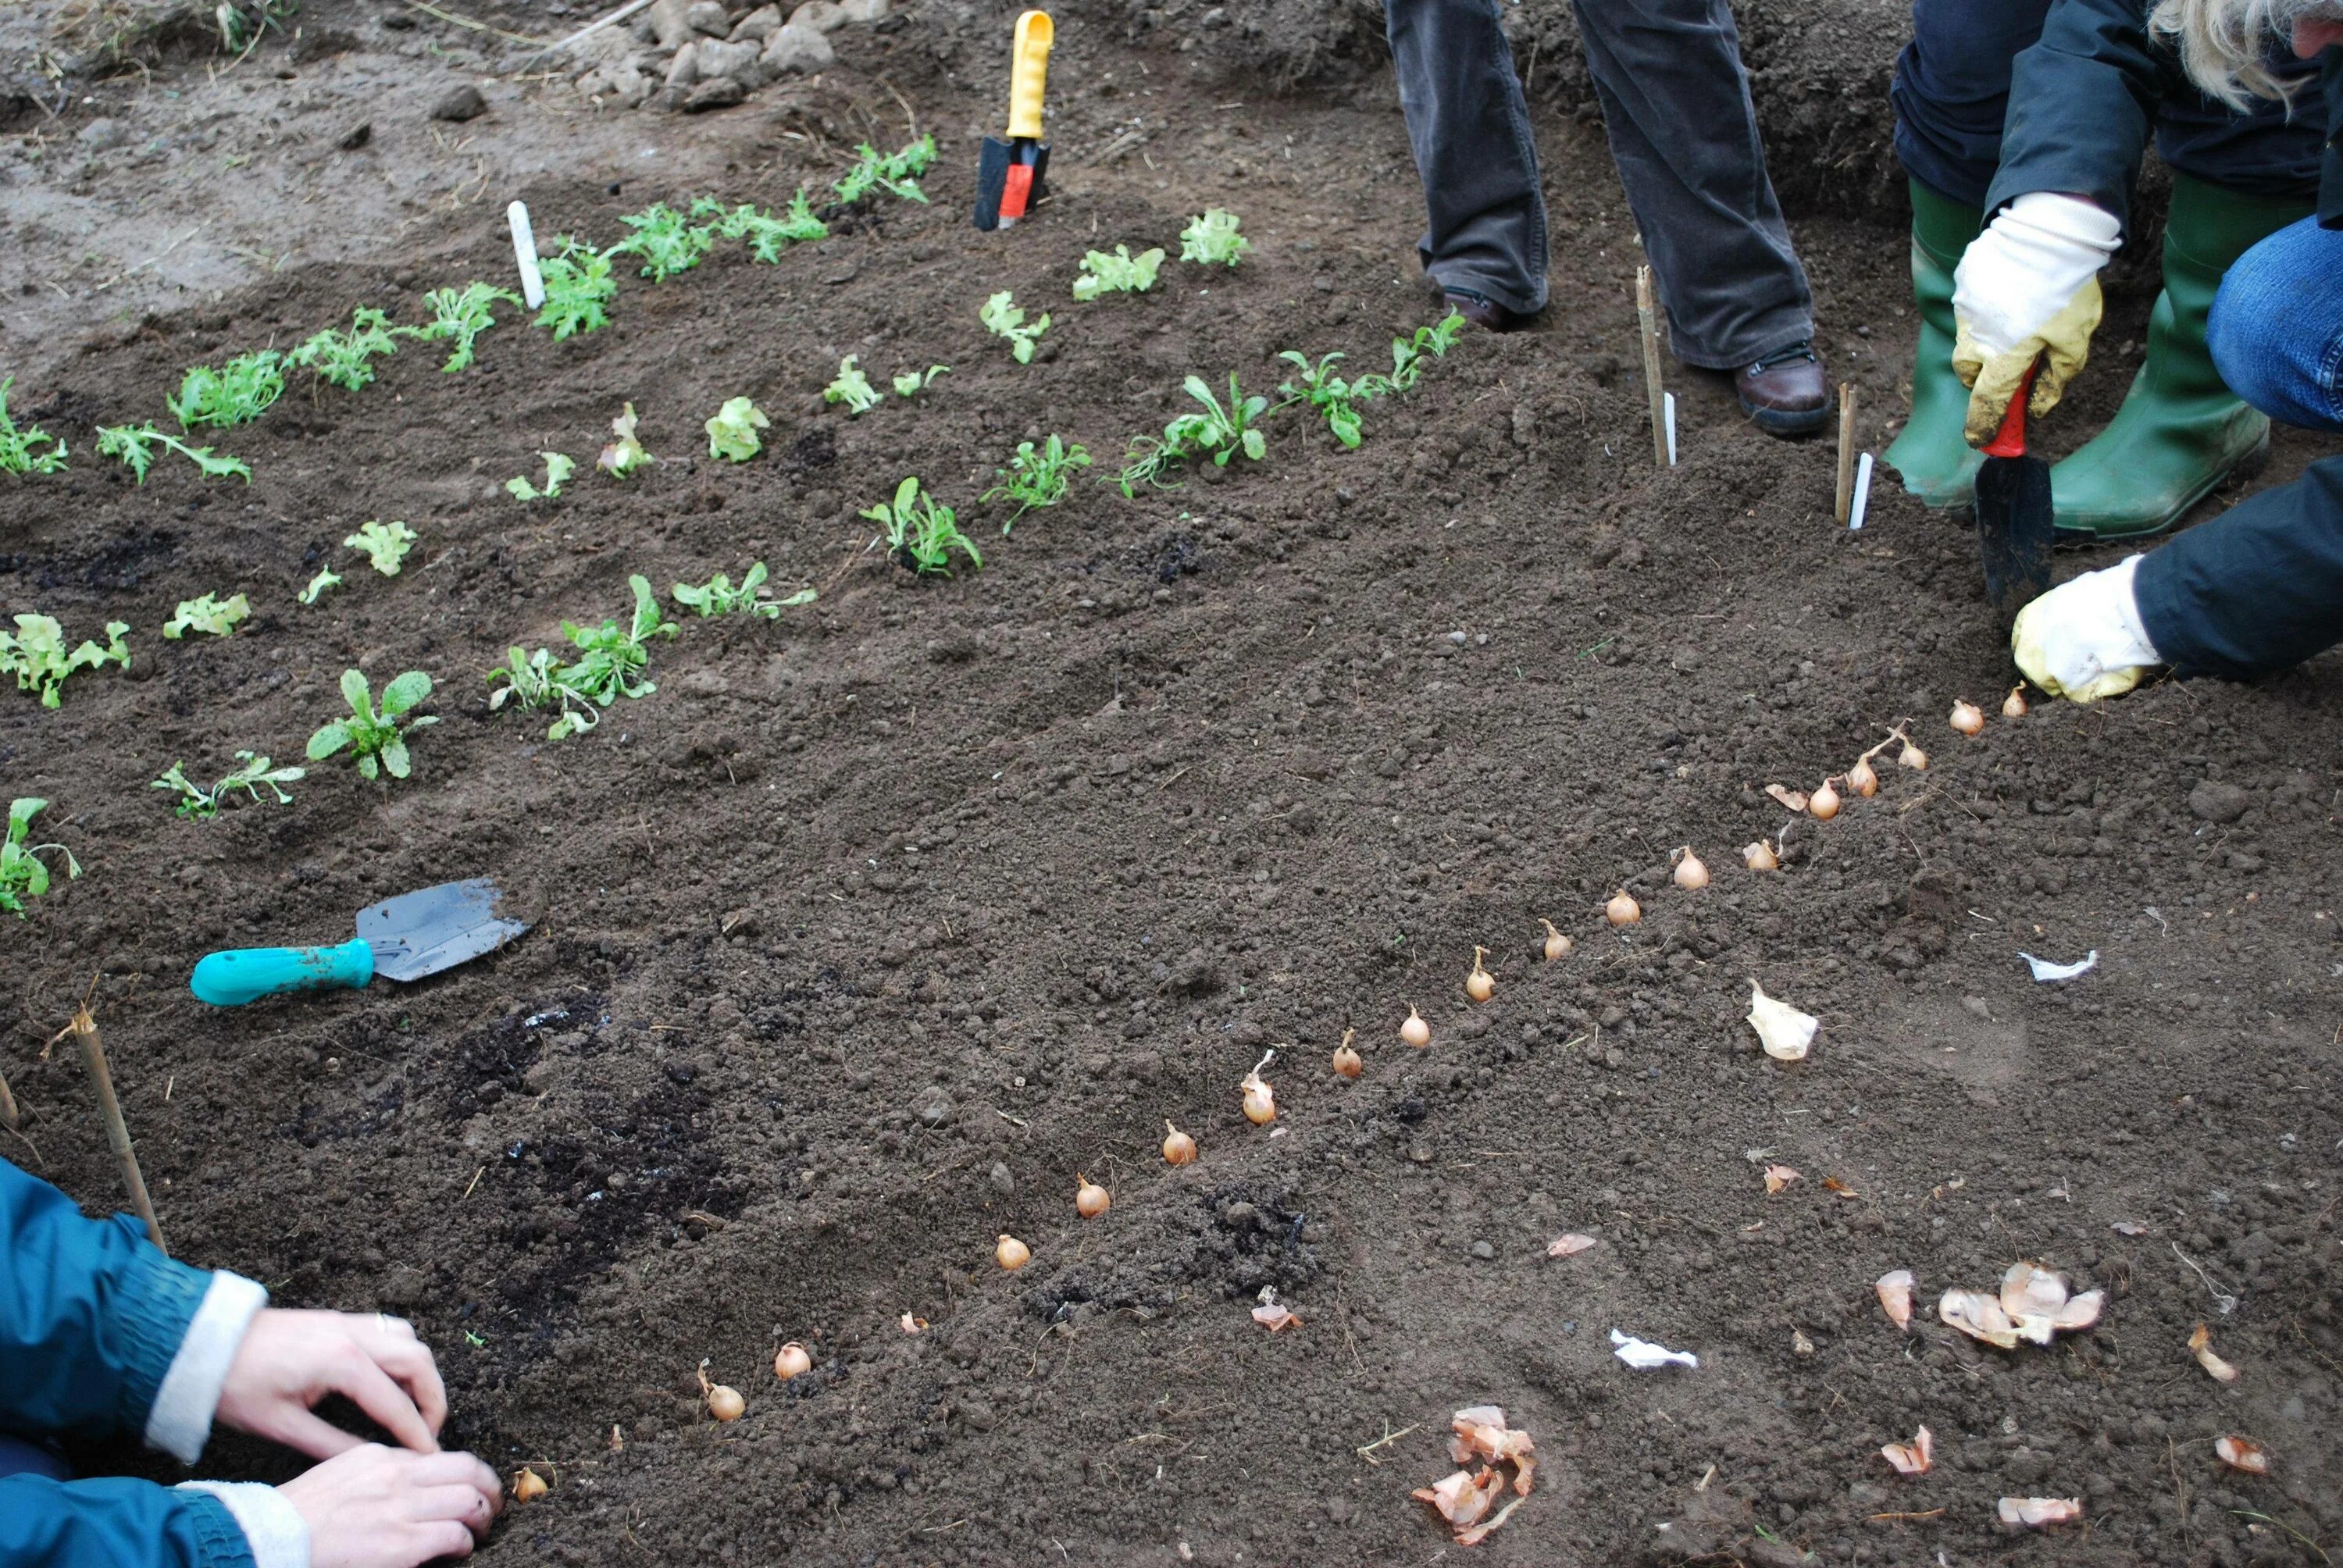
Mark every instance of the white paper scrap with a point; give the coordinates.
(1862, 492)
(2043, 970)
(1646, 1356)
(523, 239)
(1668, 407)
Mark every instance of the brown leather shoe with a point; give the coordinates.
(1482, 311)
(1787, 393)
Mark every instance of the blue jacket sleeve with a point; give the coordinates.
(2082, 102)
(2256, 589)
(91, 1314)
(115, 1524)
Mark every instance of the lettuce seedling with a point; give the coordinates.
(1221, 432)
(1212, 238)
(912, 383)
(1121, 273)
(1407, 355)
(1334, 397)
(461, 315)
(893, 172)
(767, 235)
(717, 596)
(852, 388)
(254, 772)
(535, 681)
(666, 243)
(374, 737)
(328, 578)
(347, 358)
(237, 393)
(16, 454)
(558, 470)
(614, 658)
(1037, 476)
(218, 618)
(22, 874)
(1004, 319)
(732, 434)
(578, 284)
(385, 544)
(37, 655)
(137, 448)
(624, 454)
(922, 535)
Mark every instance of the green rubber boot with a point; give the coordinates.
(1938, 464)
(2179, 431)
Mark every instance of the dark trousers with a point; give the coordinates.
(1683, 133)
(1951, 92)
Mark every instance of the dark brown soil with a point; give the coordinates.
(877, 923)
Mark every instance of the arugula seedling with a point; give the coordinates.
(616, 657)
(558, 470)
(461, 314)
(254, 772)
(666, 244)
(893, 172)
(717, 596)
(1222, 432)
(1121, 273)
(578, 284)
(1037, 476)
(328, 578)
(912, 383)
(16, 454)
(385, 544)
(374, 737)
(624, 454)
(347, 358)
(1005, 319)
(535, 681)
(1407, 353)
(1212, 238)
(37, 655)
(922, 535)
(216, 616)
(22, 874)
(137, 448)
(732, 434)
(1334, 397)
(237, 393)
(767, 235)
(852, 388)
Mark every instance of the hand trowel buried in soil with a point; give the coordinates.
(2014, 517)
(1009, 173)
(405, 938)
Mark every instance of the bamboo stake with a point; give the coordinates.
(1646, 315)
(9, 1118)
(84, 1028)
(1846, 450)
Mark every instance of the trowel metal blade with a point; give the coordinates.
(433, 929)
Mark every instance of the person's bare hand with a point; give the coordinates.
(377, 1507)
(291, 1360)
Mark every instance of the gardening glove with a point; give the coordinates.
(2083, 639)
(2027, 289)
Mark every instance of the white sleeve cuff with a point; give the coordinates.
(273, 1528)
(180, 1421)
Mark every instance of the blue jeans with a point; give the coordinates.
(2277, 327)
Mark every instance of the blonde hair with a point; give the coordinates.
(2223, 43)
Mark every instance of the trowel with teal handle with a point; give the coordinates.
(402, 939)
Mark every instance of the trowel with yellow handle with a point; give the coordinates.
(1009, 173)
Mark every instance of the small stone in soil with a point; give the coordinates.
(460, 103)
(1002, 1182)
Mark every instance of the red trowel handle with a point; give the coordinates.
(2011, 441)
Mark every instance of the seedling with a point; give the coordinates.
(614, 658)
(1037, 476)
(1212, 237)
(922, 535)
(535, 681)
(22, 874)
(461, 315)
(1121, 273)
(328, 578)
(374, 737)
(717, 596)
(893, 172)
(235, 394)
(666, 244)
(37, 655)
(578, 284)
(1004, 318)
(767, 235)
(215, 616)
(732, 434)
(912, 383)
(852, 388)
(137, 448)
(624, 454)
(1334, 398)
(558, 470)
(347, 358)
(254, 772)
(1407, 353)
(16, 454)
(1219, 431)
(385, 544)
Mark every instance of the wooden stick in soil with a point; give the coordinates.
(84, 1028)
(1845, 451)
(1648, 319)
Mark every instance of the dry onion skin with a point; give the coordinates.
(528, 1486)
(1778, 1177)
(1916, 1457)
(1275, 1318)
(2038, 1511)
(1178, 1148)
(1622, 910)
(1895, 1297)
(1011, 1253)
(1569, 1245)
(2242, 1453)
(724, 1403)
(1090, 1200)
(1760, 857)
(1691, 873)
(1480, 985)
(792, 1360)
(1415, 1032)
(1557, 945)
(2200, 1345)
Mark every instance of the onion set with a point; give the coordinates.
(1260, 1100)
(1691, 873)
(1178, 1148)
(1415, 1032)
(1090, 1200)
(528, 1485)
(723, 1403)
(1347, 1060)
(1967, 718)
(1480, 985)
(791, 1361)
(1622, 910)
(1557, 945)
(1011, 1253)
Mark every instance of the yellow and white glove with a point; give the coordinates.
(2027, 289)
(2083, 639)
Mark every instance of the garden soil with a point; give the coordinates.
(881, 920)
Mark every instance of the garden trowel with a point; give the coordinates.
(1009, 173)
(404, 938)
(2014, 515)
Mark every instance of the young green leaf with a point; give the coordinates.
(1121, 273)
(254, 772)
(385, 544)
(328, 578)
(22, 874)
(347, 358)
(732, 433)
(136, 448)
(1218, 432)
(1037, 476)
(1004, 318)
(1212, 238)
(767, 235)
(922, 535)
(852, 388)
(664, 240)
(578, 286)
(375, 737)
(37, 655)
(206, 614)
(1334, 398)
(237, 393)
(461, 315)
(624, 454)
(558, 470)
(613, 658)
(912, 383)
(16, 453)
(717, 596)
(893, 172)
(538, 680)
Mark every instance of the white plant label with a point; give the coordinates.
(532, 282)
(1862, 492)
(1668, 411)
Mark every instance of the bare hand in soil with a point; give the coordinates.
(377, 1507)
(289, 1361)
